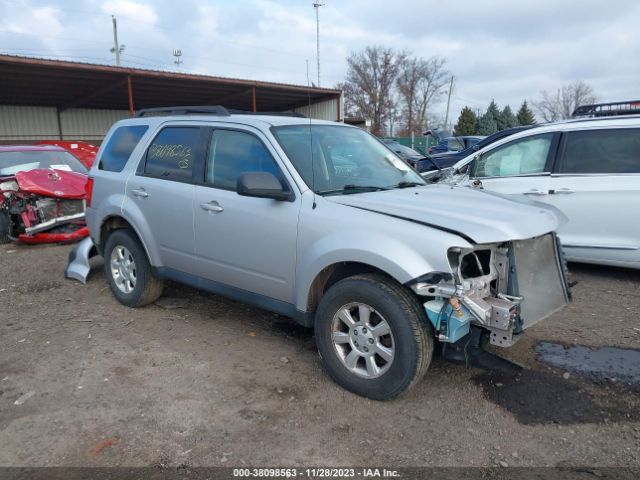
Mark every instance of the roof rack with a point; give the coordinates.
(207, 110)
(161, 111)
(271, 114)
(630, 107)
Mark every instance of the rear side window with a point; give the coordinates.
(172, 153)
(119, 147)
(601, 151)
(232, 153)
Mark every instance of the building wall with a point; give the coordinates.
(29, 124)
(89, 124)
(21, 124)
(326, 110)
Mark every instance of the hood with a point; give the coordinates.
(52, 183)
(481, 217)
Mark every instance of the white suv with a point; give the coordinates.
(589, 169)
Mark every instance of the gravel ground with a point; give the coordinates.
(203, 381)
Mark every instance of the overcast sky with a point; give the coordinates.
(501, 49)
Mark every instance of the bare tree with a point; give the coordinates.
(368, 88)
(419, 83)
(562, 103)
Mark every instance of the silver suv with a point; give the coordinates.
(321, 222)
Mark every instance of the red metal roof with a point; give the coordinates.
(63, 84)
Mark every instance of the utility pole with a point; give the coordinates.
(446, 115)
(117, 48)
(317, 7)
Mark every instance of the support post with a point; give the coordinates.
(130, 89)
(253, 95)
(59, 124)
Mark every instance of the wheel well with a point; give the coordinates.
(110, 224)
(333, 274)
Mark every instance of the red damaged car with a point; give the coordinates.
(83, 151)
(42, 195)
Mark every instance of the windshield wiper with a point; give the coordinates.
(405, 184)
(352, 188)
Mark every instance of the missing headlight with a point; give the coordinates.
(476, 264)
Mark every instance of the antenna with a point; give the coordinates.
(313, 169)
(317, 7)
(117, 48)
(178, 54)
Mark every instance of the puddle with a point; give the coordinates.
(617, 365)
(536, 398)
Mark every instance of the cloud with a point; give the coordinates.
(28, 20)
(503, 50)
(141, 12)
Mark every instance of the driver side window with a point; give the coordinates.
(231, 153)
(525, 156)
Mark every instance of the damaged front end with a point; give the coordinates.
(43, 206)
(502, 288)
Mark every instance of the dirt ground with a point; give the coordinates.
(219, 383)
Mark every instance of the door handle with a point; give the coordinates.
(565, 190)
(535, 191)
(139, 192)
(212, 206)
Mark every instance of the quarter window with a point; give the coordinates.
(525, 156)
(118, 149)
(602, 151)
(172, 153)
(232, 153)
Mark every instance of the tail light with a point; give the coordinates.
(88, 190)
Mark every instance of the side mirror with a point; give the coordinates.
(471, 166)
(477, 184)
(261, 185)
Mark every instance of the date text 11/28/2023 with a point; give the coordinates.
(314, 473)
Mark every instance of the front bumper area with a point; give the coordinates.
(503, 288)
(44, 237)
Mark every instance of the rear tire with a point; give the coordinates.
(350, 328)
(128, 270)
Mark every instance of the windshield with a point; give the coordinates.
(345, 159)
(13, 162)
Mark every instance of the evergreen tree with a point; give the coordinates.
(466, 123)
(525, 115)
(487, 125)
(493, 112)
(507, 119)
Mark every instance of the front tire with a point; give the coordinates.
(128, 270)
(4, 228)
(373, 336)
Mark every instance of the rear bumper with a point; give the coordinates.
(43, 237)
